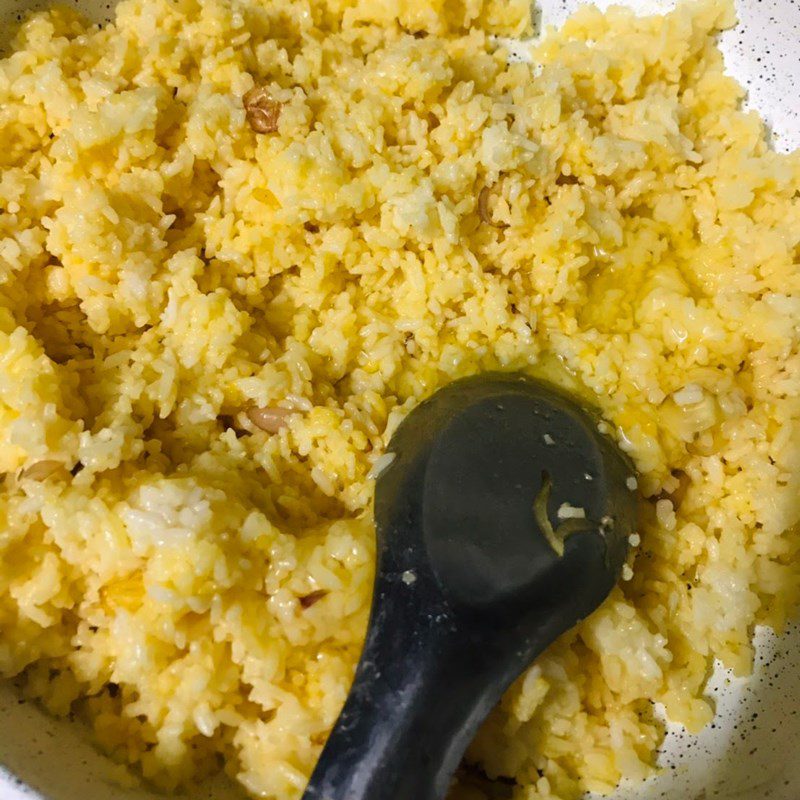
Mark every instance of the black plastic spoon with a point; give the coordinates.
(475, 577)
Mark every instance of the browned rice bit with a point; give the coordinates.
(269, 418)
(308, 600)
(262, 110)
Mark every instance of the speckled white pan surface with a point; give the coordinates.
(751, 750)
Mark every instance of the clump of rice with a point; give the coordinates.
(208, 333)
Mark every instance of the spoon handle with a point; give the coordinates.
(417, 700)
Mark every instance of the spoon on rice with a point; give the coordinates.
(502, 521)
